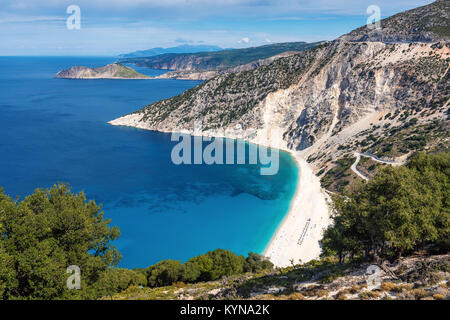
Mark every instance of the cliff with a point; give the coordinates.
(325, 101)
(111, 71)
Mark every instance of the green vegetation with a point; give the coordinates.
(401, 210)
(369, 167)
(126, 72)
(46, 233)
(409, 138)
(207, 267)
(340, 175)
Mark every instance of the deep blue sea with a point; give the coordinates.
(55, 130)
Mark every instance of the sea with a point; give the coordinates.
(56, 131)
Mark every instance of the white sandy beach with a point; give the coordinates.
(309, 203)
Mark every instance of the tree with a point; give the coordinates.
(224, 263)
(45, 234)
(256, 263)
(164, 273)
(399, 210)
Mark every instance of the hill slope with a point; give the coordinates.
(414, 278)
(426, 24)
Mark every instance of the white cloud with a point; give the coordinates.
(244, 40)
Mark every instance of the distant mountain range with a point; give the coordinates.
(218, 60)
(185, 48)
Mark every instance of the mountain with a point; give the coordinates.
(185, 48)
(111, 71)
(426, 24)
(326, 103)
(206, 75)
(219, 60)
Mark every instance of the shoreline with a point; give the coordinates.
(309, 202)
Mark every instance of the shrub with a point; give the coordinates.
(388, 286)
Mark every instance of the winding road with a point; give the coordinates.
(373, 157)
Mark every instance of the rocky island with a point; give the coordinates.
(110, 71)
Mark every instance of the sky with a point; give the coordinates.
(112, 27)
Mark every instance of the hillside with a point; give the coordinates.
(219, 60)
(419, 277)
(425, 24)
(111, 71)
(206, 75)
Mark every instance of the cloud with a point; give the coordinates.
(117, 26)
(8, 18)
(202, 8)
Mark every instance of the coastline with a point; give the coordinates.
(309, 202)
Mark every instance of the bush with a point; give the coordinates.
(388, 286)
(256, 263)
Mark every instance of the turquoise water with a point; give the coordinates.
(55, 130)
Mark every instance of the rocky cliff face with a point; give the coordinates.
(111, 71)
(326, 98)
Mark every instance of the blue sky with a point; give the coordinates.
(111, 27)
